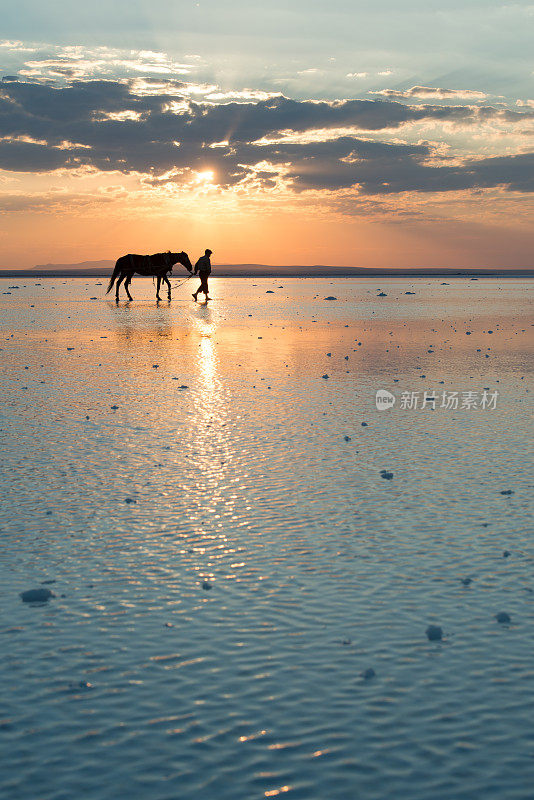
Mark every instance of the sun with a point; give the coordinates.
(204, 177)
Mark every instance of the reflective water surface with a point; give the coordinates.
(241, 591)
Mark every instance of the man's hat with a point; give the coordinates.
(208, 252)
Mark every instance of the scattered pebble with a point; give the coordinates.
(36, 595)
(434, 633)
(82, 685)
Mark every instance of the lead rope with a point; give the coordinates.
(177, 285)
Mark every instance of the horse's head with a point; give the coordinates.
(183, 259)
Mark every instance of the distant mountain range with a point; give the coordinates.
(104, 267)
(104, 264)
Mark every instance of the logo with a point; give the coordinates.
(384, 400)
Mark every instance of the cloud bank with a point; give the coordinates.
(431, 92)
(171, 131)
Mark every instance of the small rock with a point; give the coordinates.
(36, 595)
(503, 618)
(114, 408)
(364, 425)
(269, 291)
(386, 475)
(381, 294)
(130, 500)
(368, 674)
(347, 438)
(330, 297)
(207, 586)
(183, 386)
(434, 633)
(466, 581)
(506, 554)
(325, 377)
(507, 491)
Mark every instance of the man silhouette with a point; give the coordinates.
(203, 267)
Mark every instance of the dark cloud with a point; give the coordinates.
(107, 125)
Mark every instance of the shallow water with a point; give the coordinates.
(225, 464)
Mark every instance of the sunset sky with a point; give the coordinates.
(303, 132)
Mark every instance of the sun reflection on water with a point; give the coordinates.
(214, 449)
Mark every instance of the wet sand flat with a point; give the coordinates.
(246, 554)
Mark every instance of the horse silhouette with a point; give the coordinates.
(158, 265)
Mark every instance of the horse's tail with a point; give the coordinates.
(115, 274)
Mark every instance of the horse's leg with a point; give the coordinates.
(158, 284)
(168, 287)
(127, 286)
(119, 281)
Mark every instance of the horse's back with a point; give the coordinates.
(127, 260)
(153, 265)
